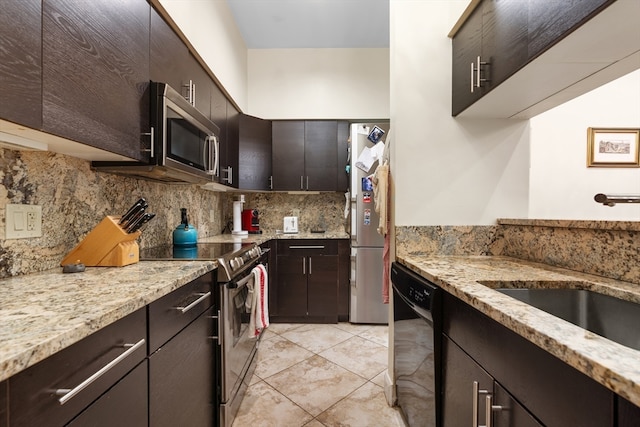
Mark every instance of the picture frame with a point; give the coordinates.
(375, 135)
(613, 147)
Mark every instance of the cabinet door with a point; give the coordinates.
(504, 38)
(181, 378)
(459, 372)
(550, 21)
(95, 61)
(230, 156)
(168, 54)
(322, 286)
(254, 167)
(288, 154)
(291, 286)
(467, 45)
(510, 412)
(628, 413)
(321, 155)
(343, 155)
(20, 62)
(4, 411)
(125, 404)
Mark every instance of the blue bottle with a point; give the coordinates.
(185, 234)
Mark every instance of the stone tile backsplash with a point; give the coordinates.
(74, 199)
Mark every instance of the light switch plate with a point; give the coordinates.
(23, 221)
(290, 224)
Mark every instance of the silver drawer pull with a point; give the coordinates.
(193, 304)
(67, 394)
(307, 247)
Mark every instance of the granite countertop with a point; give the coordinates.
(613, 365)
(46, 312)
(264, 237)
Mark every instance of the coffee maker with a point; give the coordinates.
(250, 221)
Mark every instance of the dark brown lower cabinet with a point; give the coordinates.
(4, 412)
(537, 387)
(125, 404)
(472, 397)
(181, 377)
(51, 392)
(307, 281)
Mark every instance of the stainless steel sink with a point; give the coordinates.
(610, 317)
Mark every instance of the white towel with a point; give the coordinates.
(259, 318)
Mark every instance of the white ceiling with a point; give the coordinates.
(291, 24)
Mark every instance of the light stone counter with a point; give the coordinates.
(41, 314)
(613, 365)
(261, 238)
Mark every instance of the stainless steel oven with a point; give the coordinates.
(239, 345)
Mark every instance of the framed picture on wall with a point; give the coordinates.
(613, 148)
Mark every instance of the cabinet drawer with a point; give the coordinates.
(171, 313)
(307, 247)
(33, 391)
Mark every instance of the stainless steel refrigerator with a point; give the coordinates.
(367, 244)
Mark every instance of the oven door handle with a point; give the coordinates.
(242, 282)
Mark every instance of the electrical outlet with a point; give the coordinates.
(23, 221)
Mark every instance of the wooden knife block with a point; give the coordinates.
(107, 245)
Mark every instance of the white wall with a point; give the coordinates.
(211, 29)
(447, 171)
(562, 186)
(319, 83)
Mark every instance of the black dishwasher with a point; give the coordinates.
(417, 331)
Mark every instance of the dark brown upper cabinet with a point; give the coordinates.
(95, 62)
(20, 62)
(173, 63)
(489, 47)
(254, 147)
(306, 155)
(499, 44)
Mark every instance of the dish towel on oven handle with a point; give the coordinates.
(259, 287)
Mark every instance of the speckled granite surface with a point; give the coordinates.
(613, 365)
(45, 312)
(264, 237)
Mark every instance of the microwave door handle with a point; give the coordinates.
(216, 153)
(212, 145)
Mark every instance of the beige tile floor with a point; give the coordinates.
(319, 375)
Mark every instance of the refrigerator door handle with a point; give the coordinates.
(352, 279)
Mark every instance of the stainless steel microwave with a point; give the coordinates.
(184, 143)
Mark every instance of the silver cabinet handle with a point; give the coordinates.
(307, 247)
(229, 171)
(304, 271)
(301, 181)
(490, 408)
(472, 74)
(218, 337)
(310, 271)
(476, 393)
(271, 182)
(67, 394)
(193, 304)
(150, 135)
(307, 182)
